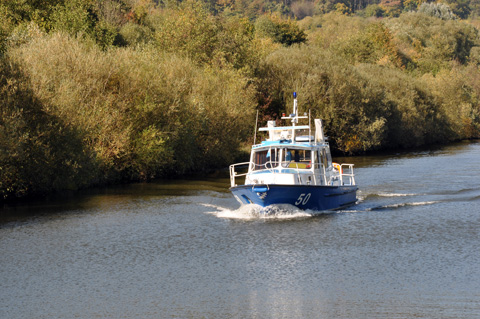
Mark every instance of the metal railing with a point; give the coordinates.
(234, 174)
(319, 167)
(345, 176)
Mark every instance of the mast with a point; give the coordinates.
(295, 108)
(255, 133)
(295, 111)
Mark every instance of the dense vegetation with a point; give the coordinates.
(103, 91)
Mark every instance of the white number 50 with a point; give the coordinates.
(303, 199)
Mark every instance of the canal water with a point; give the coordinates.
(184, 249)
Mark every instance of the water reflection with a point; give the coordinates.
(387, 157)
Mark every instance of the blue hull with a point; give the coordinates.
(302, 196)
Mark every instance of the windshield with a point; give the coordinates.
(296, 158)
(288, 157)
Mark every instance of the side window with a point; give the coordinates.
(260, 158)
(324, 158)
(329, 158)
(306, 156)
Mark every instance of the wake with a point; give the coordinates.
(255, 212)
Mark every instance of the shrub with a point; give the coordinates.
(80, 18)
(39, 153)
(332, 28)
(374, 44)
(416, 117)
(374, 10)
(353, 110)
(437, 10)
(302, 9)
(281, 31)
(145, 114)
(189, 29)
(458, 91)
(135, 34)
(431, 43)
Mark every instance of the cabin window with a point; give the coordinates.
(265, 159)
(296, 158)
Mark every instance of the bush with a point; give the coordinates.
(281, 31)
(416, 117)
(352, 109)
(431, 43)
(437, 10)
(80, 18)
(135, 34)
(334, 28)
(458, 91)
(369, 106)
(39, 153)
(302, 9)
(5, 29)
(145, 114)
(374, 44)
(189, 29)
(374, 10)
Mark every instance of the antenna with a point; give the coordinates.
(295, 109)
(294, 119)
(255, 133)
(309, 126)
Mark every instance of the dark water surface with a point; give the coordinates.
(408, 249)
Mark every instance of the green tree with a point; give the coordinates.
(38, 11)
(279, 30)
(5, 28)
(374, 44)
(374, 10)
(433, 44)
(80, 18)
(189, 29)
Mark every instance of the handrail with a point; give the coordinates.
(347, 171)
(346, 174)
(323, 174)
(234, 174)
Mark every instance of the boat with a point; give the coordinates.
(293, 166)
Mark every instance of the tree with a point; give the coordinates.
(188, 28)
(342, 8)
(374, 10)
(279, 30)
(437, 10)
(302, 9)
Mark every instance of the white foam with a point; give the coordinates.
(409, 204)
(395, 195)
(253, 212)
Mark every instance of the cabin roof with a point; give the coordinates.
(284, 128)
(286, 143)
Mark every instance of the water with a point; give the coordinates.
(184, 249)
